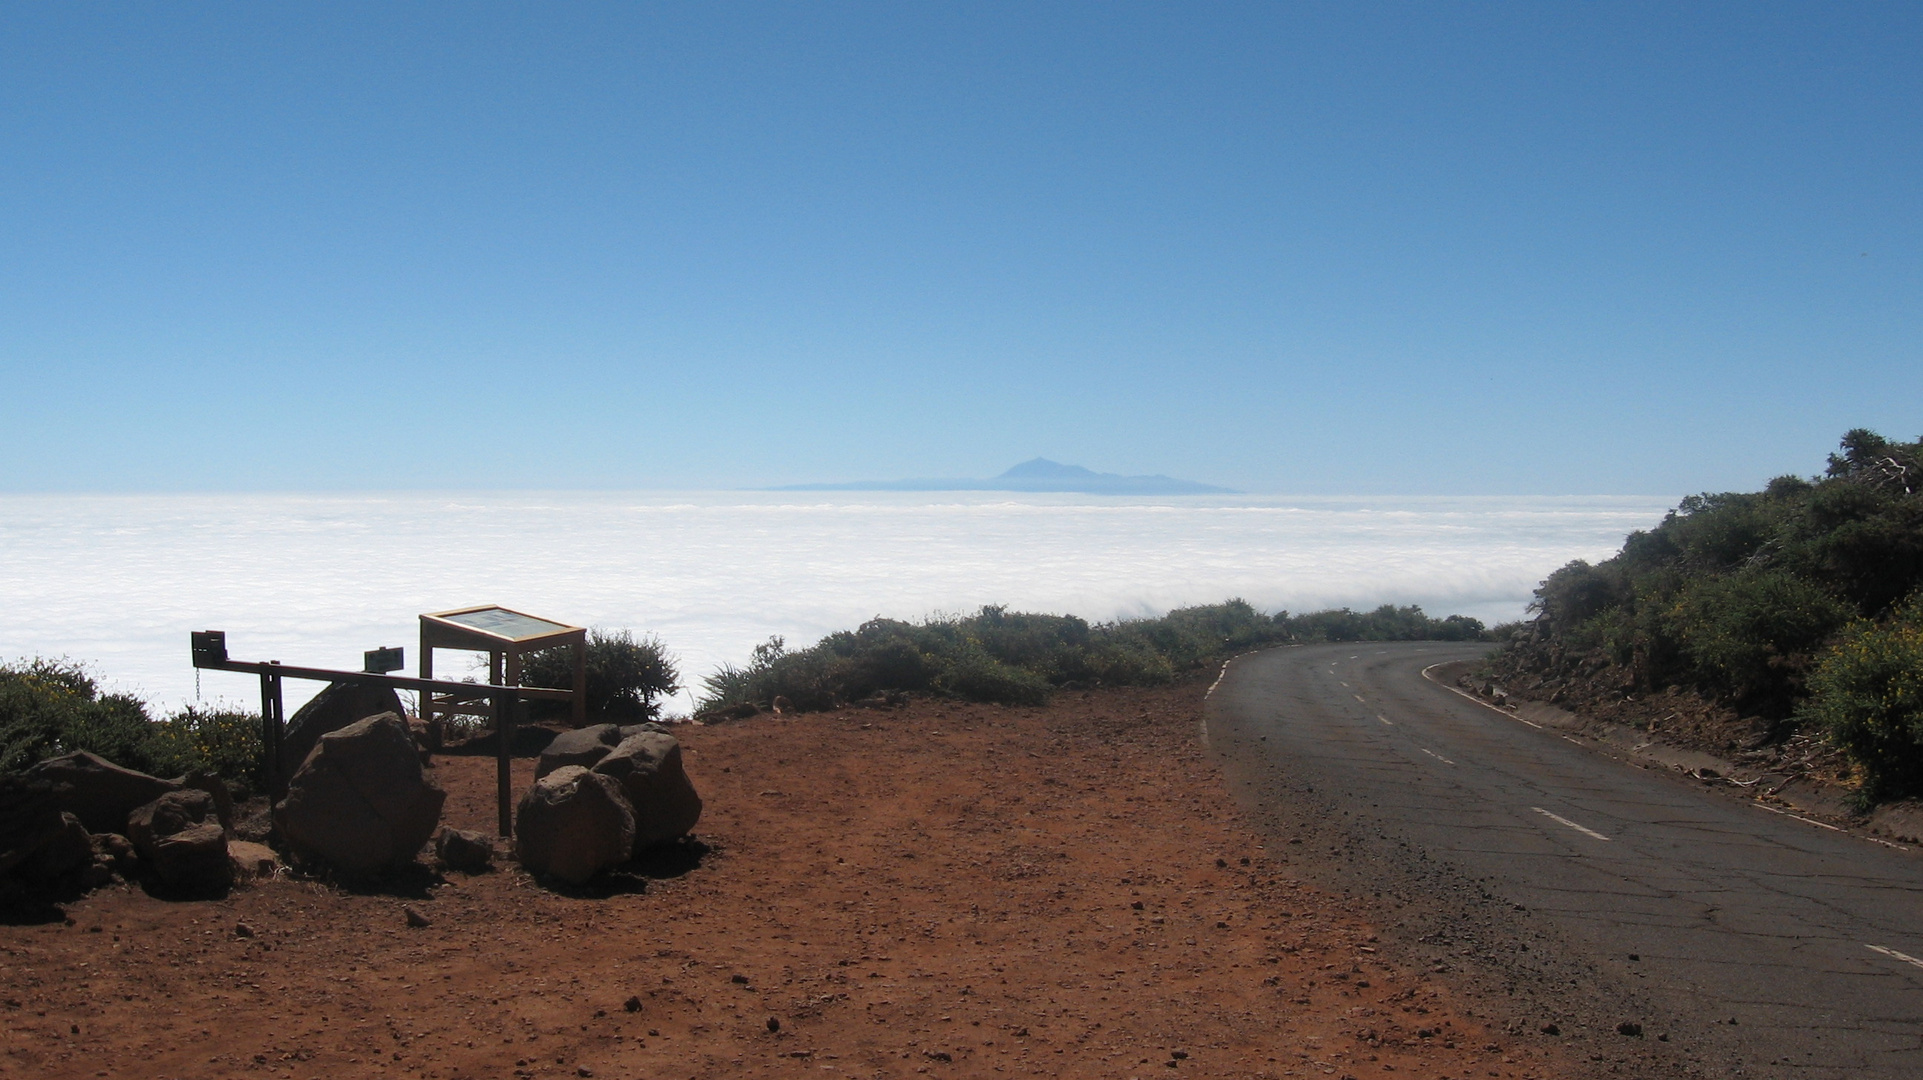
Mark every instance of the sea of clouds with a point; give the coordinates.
(117, 582)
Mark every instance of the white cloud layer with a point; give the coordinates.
(119, 581)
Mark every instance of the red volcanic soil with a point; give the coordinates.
(941, 889)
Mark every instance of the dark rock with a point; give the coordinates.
(116, 851)
(171, 813)
(1630, 1028)
(415, 919)
(29, 818)
(98, 792)
(468, 852)
(217, 790)
(194, 860)
(657, 788)
(241, 929)
(583, 747)
(361, 802)
(629, 731)
(774, 1024)
(573, 824)
(180, 838)
(633, 1004)
(332, 709)
(427, 738)
(64, 853)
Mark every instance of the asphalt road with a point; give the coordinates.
(1561, 886)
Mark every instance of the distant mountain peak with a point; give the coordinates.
(1036, 475)
(1043, 469)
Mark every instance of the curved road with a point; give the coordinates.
(1755, 944)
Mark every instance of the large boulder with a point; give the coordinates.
(29, 818)
(361, 802)
(573, 824)
(64, 853)
(648, 767)
(583, 747)
(98, 792)
(180, 838)
(332, 709)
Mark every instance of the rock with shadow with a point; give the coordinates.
(584, 747)
(648, 767)
(338, 706)
(361, 804)
(573, 824)
(180, 840)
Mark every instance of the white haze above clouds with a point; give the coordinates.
(118, 581)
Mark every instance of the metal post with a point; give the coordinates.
(506, 704)
(273, 716)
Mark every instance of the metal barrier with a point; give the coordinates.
(210, 654)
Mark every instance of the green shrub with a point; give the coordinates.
(49, 708)
(978, 676)
(52, 707)
(625, 674)
(1868, 692)
(225, 743)
(1751, 635)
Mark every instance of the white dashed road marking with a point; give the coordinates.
(1905, 957)
(1446, 761)
(1385, 719)
(1583, 829)
(1358, 697)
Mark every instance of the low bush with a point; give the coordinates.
(53, 707)
(223, 742)
(1867, 691)
(626, 675)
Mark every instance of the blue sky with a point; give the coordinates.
(1403, 248)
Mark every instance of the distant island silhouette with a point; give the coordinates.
(1037, 475)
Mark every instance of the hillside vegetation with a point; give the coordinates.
(1796, 608)
(1016, 658)
(52, 707)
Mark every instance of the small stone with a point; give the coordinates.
(583, 1070)
(1221, 863)
(633, 1004)
(1635, 958)
(1137, 905)
(1551, 1029)
(773, 1024)
(243, 930)
(1630, 1028)
(414, 918)
(738, 980)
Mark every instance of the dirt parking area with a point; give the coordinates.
(939, 889)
